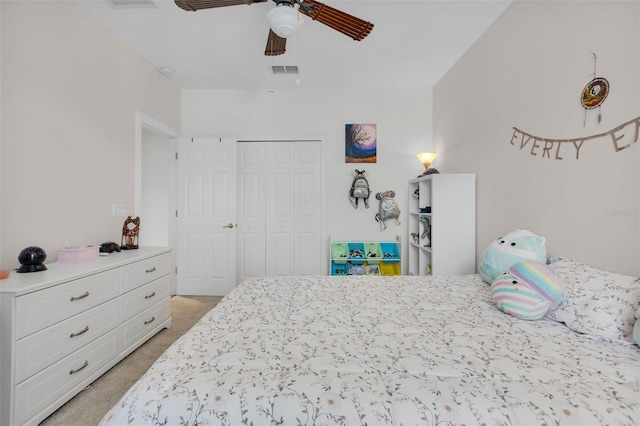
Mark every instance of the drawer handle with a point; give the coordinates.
(150, 270)
(74, 298)
(150, 296)
(84, 330)
(85, 365)
(150, 321)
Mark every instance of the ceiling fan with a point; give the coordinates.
(283, 19)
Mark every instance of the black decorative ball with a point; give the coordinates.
(32, 259)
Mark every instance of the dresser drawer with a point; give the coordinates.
(36, 311)
(146, 296)
(145, 271)
(145, 323)
(39, 350)
(36, 393)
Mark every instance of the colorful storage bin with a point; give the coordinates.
(339, 268)
(389, 268)
(373, 253)
(356, 253)
(390, 252)
(339, 253)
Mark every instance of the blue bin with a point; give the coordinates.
(390, 253)
(339, 268)
(356, 253)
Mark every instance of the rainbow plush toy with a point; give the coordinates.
(527, 290)
(510, 249)
(636, 328)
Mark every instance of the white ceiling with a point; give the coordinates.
(413, 43)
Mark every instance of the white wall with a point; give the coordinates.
(70, 92)
(0, 131)
(528, 70)
(403, 119)
(157, 180)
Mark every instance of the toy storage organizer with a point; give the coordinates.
(365, 258)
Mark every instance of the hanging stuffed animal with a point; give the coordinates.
(388, 209)
(359, 189)
(426, 233)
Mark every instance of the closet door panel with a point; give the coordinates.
(279, 208)
(251, 217)
(308, 208)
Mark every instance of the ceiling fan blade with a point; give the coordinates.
(348, 25)
(193, 5)
(275, 44)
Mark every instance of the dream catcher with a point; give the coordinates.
(594, 93)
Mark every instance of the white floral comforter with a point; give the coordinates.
(381, 350)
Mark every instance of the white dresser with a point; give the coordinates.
(62, 328)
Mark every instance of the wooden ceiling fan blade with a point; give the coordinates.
(275, 44)
(193, 5)
(348, 25)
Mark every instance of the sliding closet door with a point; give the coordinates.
(279, 214)
(251, 218)
(279, 208)
(307, 207)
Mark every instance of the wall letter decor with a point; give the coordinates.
(622, 137)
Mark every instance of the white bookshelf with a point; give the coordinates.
(448, 203)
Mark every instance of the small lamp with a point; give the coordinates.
(283, 20)
(426, 158)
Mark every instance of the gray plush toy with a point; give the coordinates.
(388, 209)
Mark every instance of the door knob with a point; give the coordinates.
(229, 225)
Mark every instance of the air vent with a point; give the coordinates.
(284, 69)
(131, 4)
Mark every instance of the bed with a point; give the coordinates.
(400, 350)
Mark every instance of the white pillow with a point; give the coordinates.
(596, 303)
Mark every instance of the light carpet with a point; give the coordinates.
(89, 406)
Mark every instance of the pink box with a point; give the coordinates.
(77, 254)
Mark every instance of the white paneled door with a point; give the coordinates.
(279, 208)
(206, 251)
(247, 209)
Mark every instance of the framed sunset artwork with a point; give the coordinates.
(361, 142)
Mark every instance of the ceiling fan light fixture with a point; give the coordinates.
(283, 20)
